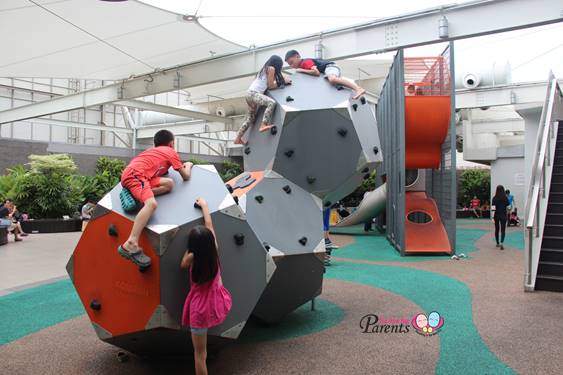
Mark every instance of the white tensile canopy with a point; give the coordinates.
(93, 39)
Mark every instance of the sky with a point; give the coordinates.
(530, 52)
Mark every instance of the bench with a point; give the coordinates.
(3, 235)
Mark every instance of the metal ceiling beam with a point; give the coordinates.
(510, 94)
(148, 106)
(72, 124)
(476, 18)
(182, 128)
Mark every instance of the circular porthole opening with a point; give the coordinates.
(419, 217)
(411, 176)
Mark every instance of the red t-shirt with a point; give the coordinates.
(307, 64)
(475, 203)
(155, 161)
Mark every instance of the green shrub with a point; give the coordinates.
(47, 190)
(9, 181)
(230, 170)
(474, 182)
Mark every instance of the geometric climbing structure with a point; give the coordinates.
(324, 141)
(141, 311)
(323, 145)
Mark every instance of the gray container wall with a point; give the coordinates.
(391, 120)
(442, 186)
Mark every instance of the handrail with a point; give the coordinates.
(538, 184)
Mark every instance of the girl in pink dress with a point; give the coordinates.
(208, 303)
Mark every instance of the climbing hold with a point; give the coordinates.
(363, 100)
(328, 203)
(236, 199)
(287, 189)
(366, 176)
(266, 246)
(259, 198)
(311, 179)
(342, 132)
(303, 241)
(247, 150)
(289, 153)
(339, 87)
(274, 130)
(239, 239)
(112, 230)
(365, 170)
(289, 99)
(143, 268)
(229, 188)
(95, 305)
(197, 205)
(355, 107)
(375, 150)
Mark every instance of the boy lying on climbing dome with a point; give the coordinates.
(142, 180)
(315, 67)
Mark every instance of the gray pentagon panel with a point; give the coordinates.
(177, 207)
(298, 279)
(286, 217)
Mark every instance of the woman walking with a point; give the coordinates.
(500, 203)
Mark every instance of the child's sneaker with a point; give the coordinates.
(128, 203)
(329, 245)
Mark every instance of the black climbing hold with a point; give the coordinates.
(236, 199)
(363, 100)
(229, 188)
(287, 189)
(196, 205)
(112, 230)
(339, 87)
(143, 268)
(365, 170)
(311, 179)
(289, 99)
(266, 246)
(342, 132)
(274, 130)
(95, 305)
(239, 239)
(259, 198)
(328, 203)
(375, 150)
(122, 357)
(355, 107)
(303, 241)
(289, 153)
(247, 150)
(366, 176)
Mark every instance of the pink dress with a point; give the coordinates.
(207, 304)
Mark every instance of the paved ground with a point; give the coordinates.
(490, 325)
(39, 257)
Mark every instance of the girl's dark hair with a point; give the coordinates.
(277, 63)
(500, 193)
(201, 243)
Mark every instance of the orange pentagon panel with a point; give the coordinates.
(117, 297)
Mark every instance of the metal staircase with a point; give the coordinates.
(544, 207)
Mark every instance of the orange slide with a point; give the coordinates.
(430, 237)
(427, 119)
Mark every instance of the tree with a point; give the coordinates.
(474, 182)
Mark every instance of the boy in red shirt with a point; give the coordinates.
(143, 178)
(315, 67)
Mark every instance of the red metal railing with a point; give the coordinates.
(427, 76)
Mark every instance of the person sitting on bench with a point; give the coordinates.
(6, 219)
